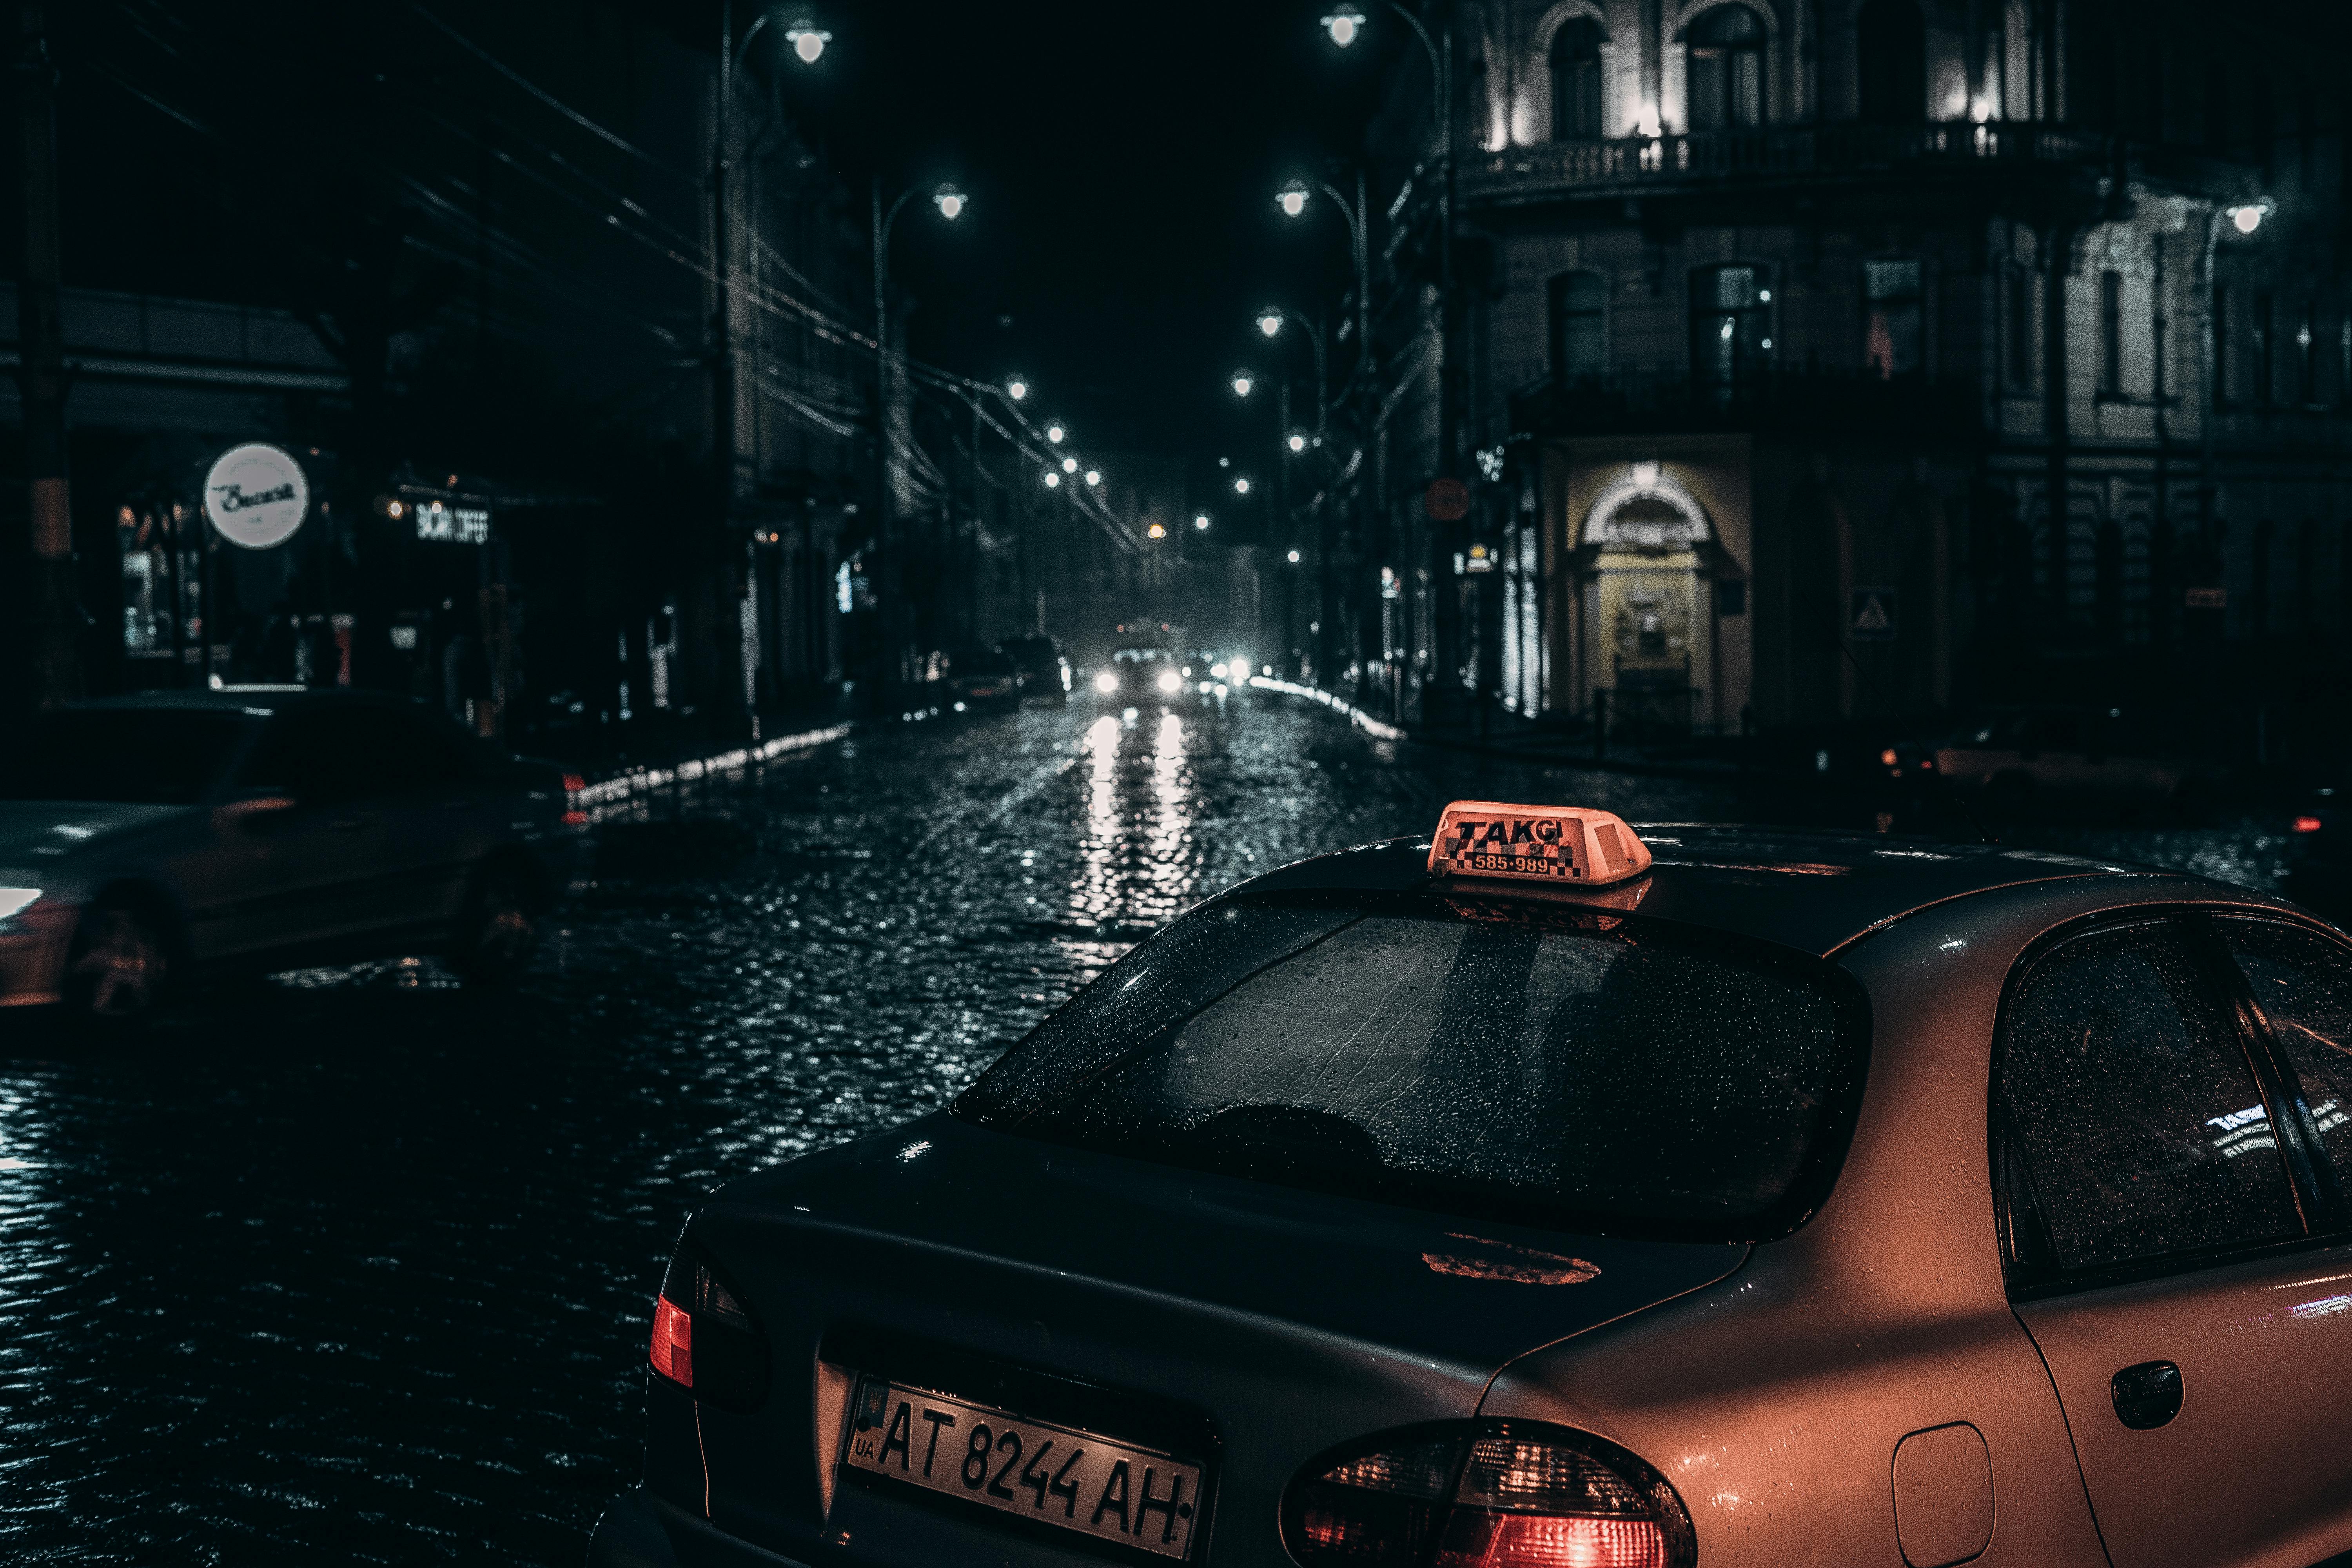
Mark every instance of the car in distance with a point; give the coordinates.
(988, 680)
(1541, 1194)
(146, 838)
(1045, 672)
(2017, 757)
(1143, 674)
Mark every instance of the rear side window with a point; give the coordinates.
(2135, 1128)
(1463, 1055)
(2303, 984)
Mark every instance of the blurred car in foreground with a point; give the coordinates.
(989, 680)
(146, 838)
(1143, 675)
(1541, 1194)
(1045, 671)
(2092, 755)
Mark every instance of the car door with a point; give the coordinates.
(308, 864)
(2174, 1249)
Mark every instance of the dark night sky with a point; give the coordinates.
(1123, 160)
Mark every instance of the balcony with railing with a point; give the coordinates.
(1801, 153)
(1772, 401)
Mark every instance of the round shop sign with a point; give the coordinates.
(257, 496)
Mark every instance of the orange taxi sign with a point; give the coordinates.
(1555, 844)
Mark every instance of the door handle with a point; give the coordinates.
(2147, 1394)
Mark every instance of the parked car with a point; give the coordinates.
(1542, 1193)
(987, 679)
(1143, 674)
(143, 839)
(2013, 756)
(1043, 667)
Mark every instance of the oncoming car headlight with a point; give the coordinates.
(1172, 681)
(1106, 682)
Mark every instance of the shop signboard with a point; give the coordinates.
(257, 496)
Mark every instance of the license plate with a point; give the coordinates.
(1078, 1480)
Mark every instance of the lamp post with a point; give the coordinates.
(951, 203)
(2243, 218)
(1293, 199)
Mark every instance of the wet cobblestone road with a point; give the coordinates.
(355, 1264)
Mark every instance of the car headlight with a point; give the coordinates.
(1172, 681)
(1218, 669)
(1106, 682)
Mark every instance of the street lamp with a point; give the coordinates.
(1240, 487)
(1069, 465)
(950, 201)
(1052, 481)
(1344, 23)
(1269, 321)
(1297, 440)
(2243, 218)
(1157, 530)
(1292, 198)
(1202, 522)
(1293, 558)
(1093, 476)
(1016, 387)
(1055, 433)
(808, 41)
(1242, 381)
(2247, 217)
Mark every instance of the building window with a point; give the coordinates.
(1576, 80)
(2265, 351)
(1890, 329)
(1731, 326)
(1578, 305)
(1725, 77)
(2306, 360)
(2021, 328)
(2111, 334)
(1891, 49)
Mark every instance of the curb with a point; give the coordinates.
(1378, 728)
(637, 781)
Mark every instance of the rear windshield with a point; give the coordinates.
(1476, 1056)
(149, 756)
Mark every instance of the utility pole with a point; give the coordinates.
(57, 616)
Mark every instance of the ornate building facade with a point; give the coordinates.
(1843, 359)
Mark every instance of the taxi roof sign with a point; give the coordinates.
(1558, 845)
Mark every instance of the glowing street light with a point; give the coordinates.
(808, 41)
(1344, 23)
(1269, 321)
(1242, 381)
(1292, 198)
(1202, 522)
(1052, 481)
(1293, 558)
(1093, 476)
(1069, 465)
(2247, 217)
(1016, 387)
(950, 201)
(1298, 441)
(1240, 487)
(1055, 433)
(1157, 530)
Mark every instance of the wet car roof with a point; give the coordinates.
(1809, 889)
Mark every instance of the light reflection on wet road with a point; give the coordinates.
(355, 1264)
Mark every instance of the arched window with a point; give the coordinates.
(1727, 69)
(1578, 305)
(1731, 326)
(1891, 63)
(1576, 80)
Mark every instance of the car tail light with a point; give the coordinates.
(1489, 1494)
(705, 1338)
(572, 815)
(2306, 825)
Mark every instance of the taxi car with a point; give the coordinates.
(1553, 1193)
(143, 839)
